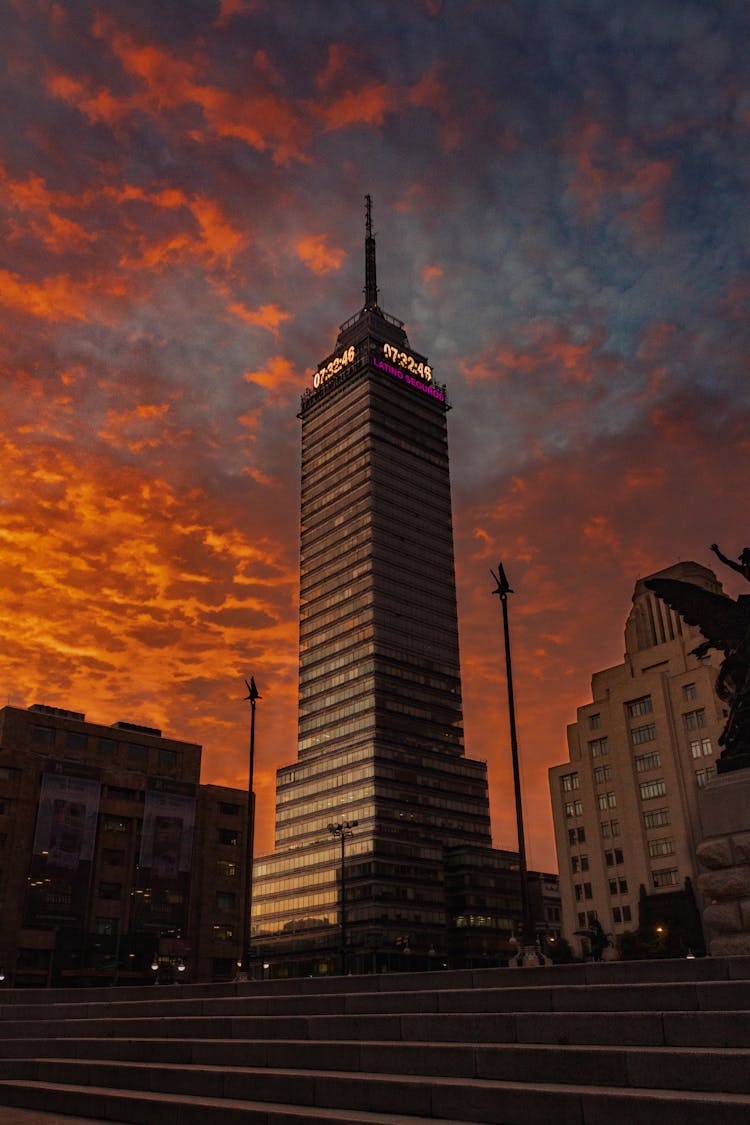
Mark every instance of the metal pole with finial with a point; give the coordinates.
(528, 943)
(252, 696)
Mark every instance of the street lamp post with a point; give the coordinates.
(527, 953)
(340, 831)
(253, 696)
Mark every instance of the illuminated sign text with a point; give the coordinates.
(433, 392)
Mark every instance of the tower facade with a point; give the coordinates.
(380, 718)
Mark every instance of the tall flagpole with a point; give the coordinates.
(252, 695)
(528, 937)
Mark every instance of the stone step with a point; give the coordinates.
(663, 1068)
(618, 972)
(466, 1102)
(634, 1028)
(661, 996)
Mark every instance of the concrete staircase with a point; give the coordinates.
(635, 1043)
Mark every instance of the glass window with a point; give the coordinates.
(651, 789)
(612, 886)
(581, 919)
(581, 833)
(225, 869)
(228, 836)
(626, 915)
(584, 863)
(223, 933)
(640, 706)
(569, 781)
(648, 761)
(689, 691)
(76, 740)
(701, 747)
(229, 809)
(703, 776)
(574, 863)
(226, 900)
(694, 719)
(137, 753)
(106, 745)
(665, 878)
(599, 747)
(106, 926)
(115, 824)
(595, 721)
(664, 846)
(601, 774)
(645, 733)
(623, 886)
(616, 914)
(167, 759)
(657, 819)
(43, 736)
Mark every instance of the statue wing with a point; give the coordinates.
(720, 619)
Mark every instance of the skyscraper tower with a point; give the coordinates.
(380, 719)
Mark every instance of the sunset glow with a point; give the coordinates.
(560, 204)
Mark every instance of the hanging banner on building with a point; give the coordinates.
(166, 856)
(63, 852)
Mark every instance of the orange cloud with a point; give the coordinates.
(279, 375)
(183, 607)
(431, 273)
(317, 255)
(267, 316)
(619, 173)
(54, 299)
(367, 105)
(37, 210)
(552, 350)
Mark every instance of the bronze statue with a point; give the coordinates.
(725, 623)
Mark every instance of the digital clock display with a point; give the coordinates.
(408, 362)
(334, 366)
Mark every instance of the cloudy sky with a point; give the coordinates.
(560, 192)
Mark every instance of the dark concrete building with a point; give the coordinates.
(381, 795)
(113, 857)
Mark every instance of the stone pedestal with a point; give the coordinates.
(724, 859)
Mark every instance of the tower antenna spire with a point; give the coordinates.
(371, 277)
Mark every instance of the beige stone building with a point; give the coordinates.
(625, 805)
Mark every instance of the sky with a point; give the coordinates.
(560, 194)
